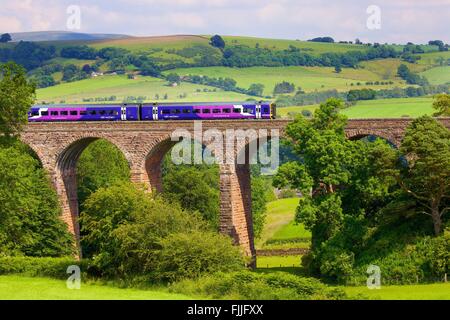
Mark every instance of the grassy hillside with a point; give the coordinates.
(437, 75)
(121, 87)
(382, 108)
(391, 108)
(308, 78)
(314, 48)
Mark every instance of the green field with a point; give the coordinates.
(314, 48)
(121, 87)
(278, 262)
(391, 108)
(437, 75)
(14, 287)
(281, 227)
(436, 291)
(307, 78)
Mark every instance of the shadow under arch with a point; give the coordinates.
(372, 137)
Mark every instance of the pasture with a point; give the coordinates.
(391, 108)
(122, 87)
(307, 78)
(16, 287)
(435, 291)
(437, 75)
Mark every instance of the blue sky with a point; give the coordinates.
(400, 20)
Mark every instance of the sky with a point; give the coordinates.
(391, 21)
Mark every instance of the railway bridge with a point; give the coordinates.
(144, 144)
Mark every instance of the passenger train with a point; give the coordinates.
(152, 111)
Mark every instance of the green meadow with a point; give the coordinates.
(307, 78)
(435, 291)
(437, 75)
(16, 287)
(122, 87)
(391, 108)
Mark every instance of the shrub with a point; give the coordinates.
(189, 255)
(42, 267)
(255, 286)
(130, 233)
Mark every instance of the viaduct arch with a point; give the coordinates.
(144, 144)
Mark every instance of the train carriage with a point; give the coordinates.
(151, 112)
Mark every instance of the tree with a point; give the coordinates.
(217, 41)
(442, 104)
(426, 145)
(6, 37)
(337, 177)
(337, 69)
(16, 98)
(173, 78)
(256, 89)
(284, 87)
(30, 221)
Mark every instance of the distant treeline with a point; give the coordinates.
(301, 99)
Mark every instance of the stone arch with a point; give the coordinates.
(65, 180)
(360, 136)
(390, 137)
(153, 158)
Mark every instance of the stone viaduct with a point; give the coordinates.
(144, 144)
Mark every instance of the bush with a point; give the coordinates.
(40, 267)
(287, 193)
(254, 286)
(190, 255)
(131, 233)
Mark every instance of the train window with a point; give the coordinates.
(34, 113)
(265, 110)
(83, 113)
(64, 113)
(165, 111)
(206, 111)
(176, 111)
(102, 112)
(54, 113)
(73, 112)
(44, 113)
(248, 110)
(113, 113)
(216, 110)
(196, 110)
(226, 110)
(237, 110)
(186, 110)
(92, 112)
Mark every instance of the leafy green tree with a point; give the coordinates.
(16, 98)
(256, 89)
(426, 145)
(30, 221)
(173, 78)
(6, 37)
(442, 105)
(337, 177)
(217, 41)
(100, 165)
(195, 189)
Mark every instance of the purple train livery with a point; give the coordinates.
(152, 112)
